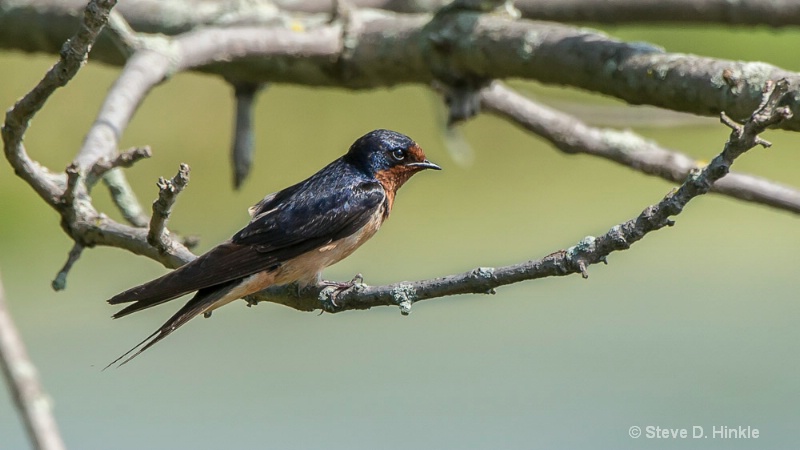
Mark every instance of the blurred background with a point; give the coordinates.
(694, 325)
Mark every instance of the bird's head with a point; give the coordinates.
(389, 156)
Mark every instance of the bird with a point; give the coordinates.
(293, 234)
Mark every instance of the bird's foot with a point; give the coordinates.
(342, 286)
(333, 289)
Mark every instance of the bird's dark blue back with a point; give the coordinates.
(329, 203)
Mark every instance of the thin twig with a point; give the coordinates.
(125, 159)
(73, 182)
(23, 382)
(168, 191)
(60, 282)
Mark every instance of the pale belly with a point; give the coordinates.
(305, 269)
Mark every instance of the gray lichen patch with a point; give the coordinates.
(404, 295)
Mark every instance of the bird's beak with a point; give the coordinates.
(424, 165)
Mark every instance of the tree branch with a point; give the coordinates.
(73, 55)
(390, 49)
(575, 259)
(179, 16)
(572, 136)
(23, 383)
(69, 195)
(775, 13)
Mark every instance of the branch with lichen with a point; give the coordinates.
(576, 259)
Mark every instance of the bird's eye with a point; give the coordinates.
(398, 154)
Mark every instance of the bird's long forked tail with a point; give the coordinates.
(201, 301)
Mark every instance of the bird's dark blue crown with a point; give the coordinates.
(371, 151)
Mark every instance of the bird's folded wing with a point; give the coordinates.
(303, 222)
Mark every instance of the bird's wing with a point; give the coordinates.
(310, 217)
(222, 263)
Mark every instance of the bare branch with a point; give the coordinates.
(389, 49)
(23, 382)
(575, 259)
(158, 236)
(94, 228)
(471, 46)
(178, 16)
(326, 6)
(572, 136)
(73, 55)
(774, 13)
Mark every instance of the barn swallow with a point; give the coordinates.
(292, 236)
